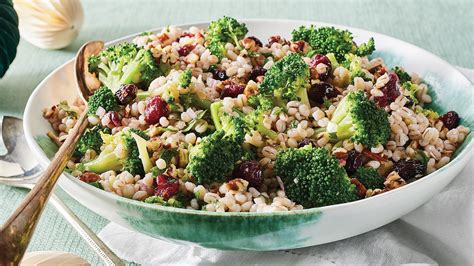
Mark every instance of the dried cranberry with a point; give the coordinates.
(155, 108)
(354, 161)
(89, 177)
(232, 90)
(256, 72)
(320, 59)
(187, 34)
(320, 90)
(126, 93)
(410, 169)
(390, 91)
(450, 119)
(250, 171)
(185, 49)
(256, 40)
(114, 119)
(305, 142)
(219, 75)
(166, 186)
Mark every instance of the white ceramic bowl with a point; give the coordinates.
(282, 230)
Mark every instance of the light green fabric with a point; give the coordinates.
(442, 27)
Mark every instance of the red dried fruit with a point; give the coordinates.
(187, 34)
(126, 93)
(320, 59)
(390, 91)
(256, 72)
(409, 170)
(232, 90)
(89, 177)
(250, 171)
(186, 49)
(354, 161)
(320, 90)
(155, 108)
(114, 119)
(166, 186)
(450, 120)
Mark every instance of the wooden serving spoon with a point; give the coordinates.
(17, 231)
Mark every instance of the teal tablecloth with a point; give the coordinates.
(443, 27)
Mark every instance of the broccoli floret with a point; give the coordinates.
(287, 80)
(90, 139)
(222, 31)
(102, 97)
(215, 156)
(131, 159)
(325, 40)
(370, 178)
(185, 78)
(402, 75)
(124, 63)
(358, 118)
(251, 121)
(313, 178)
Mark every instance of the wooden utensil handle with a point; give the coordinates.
(17, 231)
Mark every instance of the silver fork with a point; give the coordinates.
(22, 170)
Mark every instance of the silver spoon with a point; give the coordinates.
(26, 172)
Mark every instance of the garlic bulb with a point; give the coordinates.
(49, 24)
(49, 258)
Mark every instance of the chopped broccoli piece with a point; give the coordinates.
(428, 112)
(90, 139)
(110, 159)
(102, 97)
(215, 156)
(313, 178)
(370, 178)
(185, 78)
(167, 155)
(287, 80)
(354, 64)
(358, 118)
(325, 40)
(410, 90)
(402, 75)
(222, 31)
(171, 202)
(124, 63)
(251, 121)
(193, 100)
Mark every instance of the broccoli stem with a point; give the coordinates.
(215, 114)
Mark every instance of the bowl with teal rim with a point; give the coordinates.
(449, 89)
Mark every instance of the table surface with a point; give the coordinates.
(442, 27)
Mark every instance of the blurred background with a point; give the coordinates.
(442, 27)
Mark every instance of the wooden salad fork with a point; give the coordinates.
(17, 231)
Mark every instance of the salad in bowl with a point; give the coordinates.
(219, 121)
